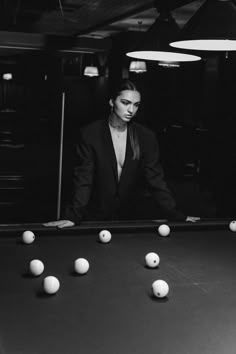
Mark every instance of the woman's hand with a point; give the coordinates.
(60, 223)
(192, 218)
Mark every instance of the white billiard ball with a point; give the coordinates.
(51, 285)
(36, 267)
(152, 260)
(81, 266)
(28, 237)
(160, 288)
(232, 226)
(104, 236)
(164, 230)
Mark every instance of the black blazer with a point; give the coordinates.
(97, 192)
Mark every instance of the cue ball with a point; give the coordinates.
(81, 265)
(232, 226)
(160, 288)
(51, 285)
(36, 267)
(152, 260)
(104, 236)
(28, 237)
(164, 230)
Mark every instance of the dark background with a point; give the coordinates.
(191, 108)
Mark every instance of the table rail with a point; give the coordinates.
(117, 226)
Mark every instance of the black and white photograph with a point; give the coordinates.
(117, 177)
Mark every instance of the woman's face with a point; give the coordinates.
(125, 105)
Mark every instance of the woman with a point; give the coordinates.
(114, 156)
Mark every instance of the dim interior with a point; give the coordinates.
(44, 91)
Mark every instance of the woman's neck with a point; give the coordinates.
(116, 123)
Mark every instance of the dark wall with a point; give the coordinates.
(190, 108)
(29, 123)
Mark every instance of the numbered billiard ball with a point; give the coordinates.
(160, 288)
(28, 237)
(104, 236)
(152, 260)
(232, 226)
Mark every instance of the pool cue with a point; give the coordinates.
(61, 156)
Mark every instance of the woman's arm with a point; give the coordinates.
(59, 223)
(155, 178)
(82, 181)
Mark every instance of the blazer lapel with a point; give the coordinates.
(127, 162)
(109, 148)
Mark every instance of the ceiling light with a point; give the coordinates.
(163, 56)
(91, 71)
(212, 28)
(138, 66)
(155, 44)
(166, 64)
(7, 76)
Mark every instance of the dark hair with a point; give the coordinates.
(134, 142)
(122, 86)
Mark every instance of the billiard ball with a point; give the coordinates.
(160, 288)
(232, 226)
(152, 260)
(104, 236)
(51, 285)
(81, 265)
(164, 230)
(28, 237)
(36, 267)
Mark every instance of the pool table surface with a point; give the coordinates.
(111, 309)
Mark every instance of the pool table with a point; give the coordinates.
(111, 309)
